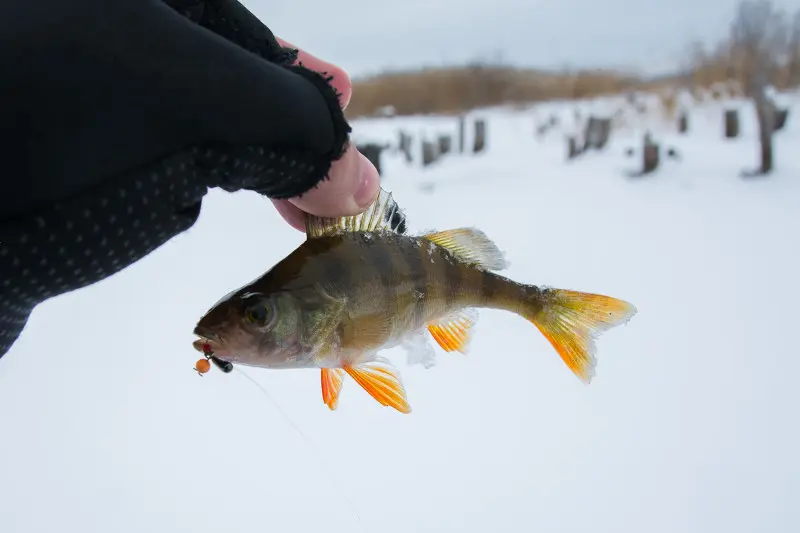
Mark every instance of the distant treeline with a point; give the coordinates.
(457, 89)
(759, 34)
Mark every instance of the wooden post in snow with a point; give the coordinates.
(405, 145)
(731, 124)
(445, 144)
(429, 154)
(573, 148)
(683, 123)
(461, 133)
(781, 116)
(650, 155)
(480, 136)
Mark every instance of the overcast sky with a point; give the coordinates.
(366, 36)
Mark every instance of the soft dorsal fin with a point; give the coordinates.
(471, 246)
(383, 214)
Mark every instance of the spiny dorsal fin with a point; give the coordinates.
(383, 214)
(471, 246)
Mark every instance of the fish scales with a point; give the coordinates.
(398, 281)
(392, 284)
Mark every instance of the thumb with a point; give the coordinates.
(352, 183)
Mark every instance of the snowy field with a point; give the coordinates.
(689, 426)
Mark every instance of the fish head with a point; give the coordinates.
(253, 328)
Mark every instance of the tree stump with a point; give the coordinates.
(405, 145)
(480, 136)
(766, 112)
(650, 156)
(461, 134)
(429, 155)
(596, 133)
(731, 124)
(781, 115)
(604, 133)
(573, 148)
(588, 135)
(445, 144)
(683, 123)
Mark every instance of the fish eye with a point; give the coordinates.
(260, 312)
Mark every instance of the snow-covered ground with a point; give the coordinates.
(690, 424)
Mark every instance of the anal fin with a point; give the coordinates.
(454, 332)
(418, 349)
(331, 386)
(382, 382)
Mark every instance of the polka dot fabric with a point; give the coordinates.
(78, 242)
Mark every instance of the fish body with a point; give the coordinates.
(358, 285)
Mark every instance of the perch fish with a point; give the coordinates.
(361, 284)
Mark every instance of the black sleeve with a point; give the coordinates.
(117, 117)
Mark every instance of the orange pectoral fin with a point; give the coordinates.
(382, 383)
(331, 386)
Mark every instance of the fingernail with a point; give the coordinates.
(368, 189)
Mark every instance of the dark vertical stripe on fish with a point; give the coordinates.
(418, 278)
(439, 288)
(471, 284)
(403, 286)
(490, 287)
(452, 278)
(299, 265)
(380, 259)
(336, 263)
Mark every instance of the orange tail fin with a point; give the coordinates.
(571, 321)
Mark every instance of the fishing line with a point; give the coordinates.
(331, 478)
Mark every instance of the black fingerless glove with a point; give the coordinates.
(118, 116)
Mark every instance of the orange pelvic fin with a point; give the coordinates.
(331, 386)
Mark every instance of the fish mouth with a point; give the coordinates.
(206, 338)
(199, 344)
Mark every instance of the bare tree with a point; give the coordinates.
(794, 53)
(759, 44)
(692, 67)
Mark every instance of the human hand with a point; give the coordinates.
(117, 118)
(353, 180)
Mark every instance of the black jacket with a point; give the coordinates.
(117, 117)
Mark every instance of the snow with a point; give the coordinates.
(689, 424)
